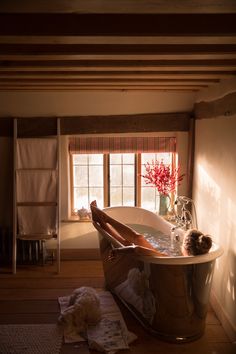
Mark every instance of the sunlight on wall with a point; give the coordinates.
(215, 198)
(208, 199)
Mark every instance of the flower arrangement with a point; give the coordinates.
(162, 177)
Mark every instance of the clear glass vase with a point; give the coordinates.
(164, 204)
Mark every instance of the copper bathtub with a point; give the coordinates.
(169, 296)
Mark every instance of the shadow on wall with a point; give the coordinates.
(6, 182)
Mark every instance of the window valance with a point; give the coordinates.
(92, 145)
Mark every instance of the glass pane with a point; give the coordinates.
(128, 196)
(80, 176)
(128, 159)
(164, 156)
(115, 159)
(147, 158)
(96, 176)
(96, 194)
(81, 159)
(81, 198)
(96, 159)
(115, 196)
(143, 172)
(115, 175)
(128, 175)
(148, 196)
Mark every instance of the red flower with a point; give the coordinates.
(162, 177)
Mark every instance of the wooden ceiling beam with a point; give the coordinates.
(73, 88)
(103, 70)
(124, 6)
(118, 64)
(221, 107)
(75, 24)
(81, 51)
(115, 40)
(121, 49)
(136, 81)
(101, 88)
(154, 122)
(125, 123)
(116, 74)
(119, 57)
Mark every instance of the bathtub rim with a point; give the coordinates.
(215, 251)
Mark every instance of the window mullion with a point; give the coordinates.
(138, 180)
(106, 179)
(122, 179)
(72, 187)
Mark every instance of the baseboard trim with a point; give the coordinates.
(68, 254)
(223, 317)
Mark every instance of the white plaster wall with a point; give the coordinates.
(28, 104)
(215, 196)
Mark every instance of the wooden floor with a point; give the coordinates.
(31, 295)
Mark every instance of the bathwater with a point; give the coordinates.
(160, 241)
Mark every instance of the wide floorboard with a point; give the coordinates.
(30, 296)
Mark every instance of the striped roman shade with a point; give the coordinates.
(93, 145)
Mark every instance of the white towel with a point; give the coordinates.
(36, 186)
(37, 220)
(37, 153)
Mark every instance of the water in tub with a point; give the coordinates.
(169, 244)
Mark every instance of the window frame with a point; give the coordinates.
(106, 178)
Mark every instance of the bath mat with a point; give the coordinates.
(30, 339)
(110, 312)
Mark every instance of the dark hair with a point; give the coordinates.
(195, 242)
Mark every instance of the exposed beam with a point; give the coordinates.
(114, 87)
(116, 74)
(124, 6)
(119, 64)
(75, 24)
(142, 123)
(225, 106)
(70, 50)
(126, 123)
(105, 81)
(121, 49)
(164, 40)
(131, 57)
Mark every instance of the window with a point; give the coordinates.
(88, 180)
(114, 179)
(121, 190)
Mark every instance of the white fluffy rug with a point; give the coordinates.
(110, 334)
(30, 339)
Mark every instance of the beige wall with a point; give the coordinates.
(27, 104)
(215, 196)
